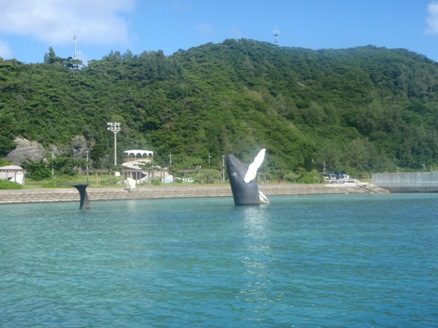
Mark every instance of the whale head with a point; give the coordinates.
(243, 193)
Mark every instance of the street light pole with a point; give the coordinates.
(114, 127)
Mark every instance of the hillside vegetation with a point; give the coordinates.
(358, 110)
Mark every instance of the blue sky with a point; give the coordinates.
(28, 27)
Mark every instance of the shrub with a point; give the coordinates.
(291, 177)
(311, 177)
(207, 176)
(37, 170)
(4, 162)
(156, 182)
(5, 184)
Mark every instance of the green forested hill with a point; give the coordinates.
(358, 110)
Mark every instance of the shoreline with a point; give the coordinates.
(50, 195)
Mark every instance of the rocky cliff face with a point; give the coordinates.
(78, 147)
(26, 150)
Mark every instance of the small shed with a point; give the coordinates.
(12, 173)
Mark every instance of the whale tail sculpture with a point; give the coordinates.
(243, 183)
(84, 201)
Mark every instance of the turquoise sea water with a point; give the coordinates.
(302, 261)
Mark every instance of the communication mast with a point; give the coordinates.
(276, 33)
(74, 47)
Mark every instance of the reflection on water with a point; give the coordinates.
(257, 255)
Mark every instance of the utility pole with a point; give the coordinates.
(223, 167)
(88, 181)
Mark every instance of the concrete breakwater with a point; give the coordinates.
(158, 192)
(407, 181)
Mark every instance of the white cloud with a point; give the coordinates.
(56, 21)
(432, 18)
(5, 51)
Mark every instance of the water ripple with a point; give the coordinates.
(344, 261)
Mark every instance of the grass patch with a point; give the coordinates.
(5, 184)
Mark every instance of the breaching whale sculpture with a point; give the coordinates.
(84, 201)
(243, 181)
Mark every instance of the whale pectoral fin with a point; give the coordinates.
(263, 198)
(254, 166)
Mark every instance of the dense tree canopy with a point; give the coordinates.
(358, 110)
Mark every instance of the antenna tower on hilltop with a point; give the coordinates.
(276, 33)
(74, 47)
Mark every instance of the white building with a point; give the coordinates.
(133, 161)
(12, 173)
(138, 156)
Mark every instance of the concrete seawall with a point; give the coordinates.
(407, 181)
(157, 192)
